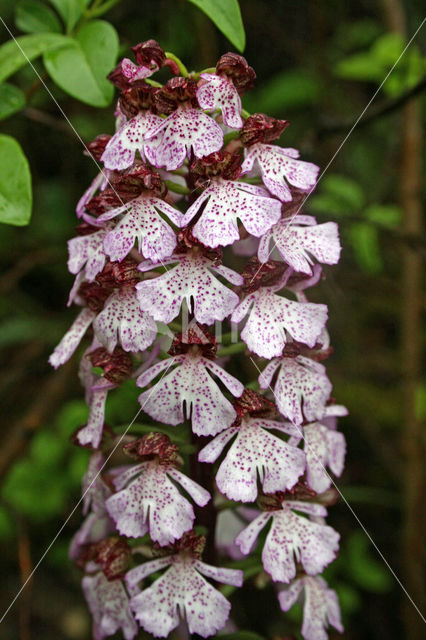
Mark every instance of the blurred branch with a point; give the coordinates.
(49, 397)
(41, 117)
(387, 107)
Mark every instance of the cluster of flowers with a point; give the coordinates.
(185, 175)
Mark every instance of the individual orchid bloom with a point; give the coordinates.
(320, 606)
(91, 433)
(297, 238)
(273, 316)
(109, 605)
(292, 537)
(97, 525)
(87, 251)
(123, 321)
(69, 343)
(279, 166)
(191, 280)
(190, 384)
(171, 141)
(302, 387)
(226, 202)
(255, 452)
(323, 447)
(181, 590)
(220, 93)
(151, 502)
(141, 221)
(121, 149)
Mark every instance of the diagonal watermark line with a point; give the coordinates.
(64, 115)
(82, 497)
(355, 516)
(345, 139)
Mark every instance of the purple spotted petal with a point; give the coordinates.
(135, 72)
(226, 202)
(297, 243)
(87, 250)
(220, 93)
(92, 432)
(171, 141)
(121, 149)
(191, 385)
(272, 316)
(93, 488)
(256, 453)
(100, 182)
(189, 280)
(279, 166)
(141, 222)
(95, 527)
(69, 343)
(109, 605)
(323, 447)
(123, 321)
(152, 503)
(183, 590)
(321, 606)
(301, 390)
(313, 544)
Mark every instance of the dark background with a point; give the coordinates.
(372, 188)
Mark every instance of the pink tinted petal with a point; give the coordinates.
(272, 315)
(226, 576)
(92, 432)
(322, 447)
(87, 250)
(229, 274)
(142, 223)
(257, 453)
(302, 389)
(296, 243)
(134, 72)
(234, 385)
(171, 141)
(99, 182)
(214, 448)
(190, 280)
(227, 202)
(199, 495)
(211, 412)
(147, 376)
(287, 597)
(120, 150)
(246, 539)
(265, 378)
(122, 320)
(139, 573)
(292, 536)
(95, 528)
(151, 502)
(93, 488)
(109, 606)
(320, 607)
(122, 477)
(69, 343)
(279, 166)
(220, 93)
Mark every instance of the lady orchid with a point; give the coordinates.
(191, 186)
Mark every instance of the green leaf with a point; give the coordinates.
(70, 11)
(241, 635)
(361, 66)
(287, 90)
(12, 100)
(226, 16)
(386, 215)
(339, 195)
(32, 16)
(16, 53)
(81, 67)
(15, 183)
(365, 243)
